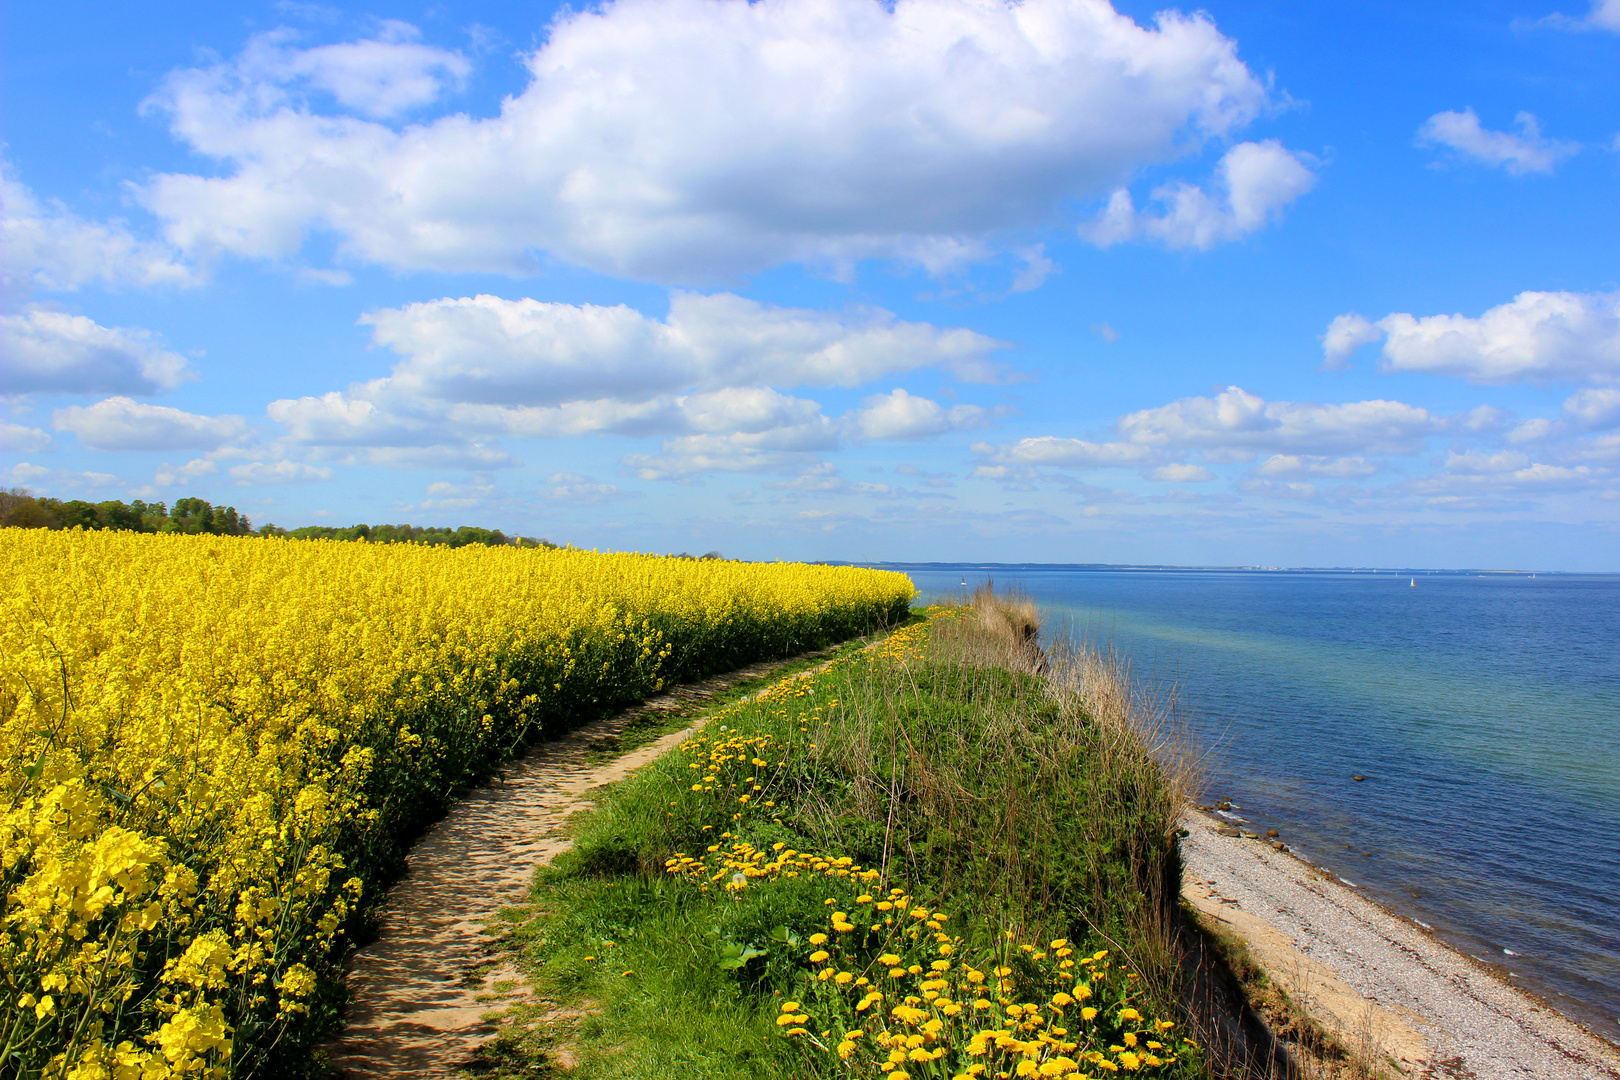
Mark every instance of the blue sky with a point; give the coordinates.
(1257, 283)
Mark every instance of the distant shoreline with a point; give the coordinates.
(1173, 568)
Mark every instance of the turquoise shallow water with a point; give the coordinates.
(1482, 710)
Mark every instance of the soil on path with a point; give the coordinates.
(1376, 980)
(422, 991)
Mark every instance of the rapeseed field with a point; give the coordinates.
(216, 750)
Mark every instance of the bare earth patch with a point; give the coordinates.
(424, 992)
(1375, 979)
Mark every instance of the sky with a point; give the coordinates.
(1255, 283)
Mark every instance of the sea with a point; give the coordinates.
(1448, 742)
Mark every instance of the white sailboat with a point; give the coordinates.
(1414, 583)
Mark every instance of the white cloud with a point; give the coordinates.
(49, 246)
(1302, 439)
(1345, 334)
(693, 457)
(43, 479)
(1105, 331)
(696, 140)
(1602, 448)
(169, 476)
(899, 415)
(1526, 151)
(43, 351)
(823, 481)
(119, 423)
(1538, 336)
(580, 490)
(1605, 15)
(1483, 476)
(337, 419)
(17, 439)
(1293, 465)
(760, 430)
(1052, 450)
(476, 369)
(1594, 409)
(486, 349)
(469, 455)
(1037, 268)
(1181, 473)
(1273, 489)
(277, 472)
(1255, 183)
(379, 77)
(1471, 463)
(445, 495)
(1236, 425)
(760, 413)
(1536, 429)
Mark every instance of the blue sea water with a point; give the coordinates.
(1482, 710)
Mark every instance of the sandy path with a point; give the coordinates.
(1365, 972)
(419, 996)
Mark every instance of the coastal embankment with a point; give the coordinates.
(1388, 993)
(1482, 711)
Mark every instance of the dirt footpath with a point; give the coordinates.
(1377, 980)
(422, 989)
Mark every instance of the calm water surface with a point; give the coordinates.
(1482, 710)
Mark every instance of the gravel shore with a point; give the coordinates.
(1375, 979)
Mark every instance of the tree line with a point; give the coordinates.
(19, 508)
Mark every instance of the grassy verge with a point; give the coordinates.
(947, 855)
(648, 725)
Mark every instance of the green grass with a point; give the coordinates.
(972, 776)
(647, 726)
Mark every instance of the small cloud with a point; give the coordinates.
(899, 415)
(38, 476)
(1272, 489)
(277, 472)
(169, 476)
(1279, 466)
(45, 244)
(580, 490)
(444, 495)
(17, 439)
(1106, 332)
(1535, 337)
(1180, 474)
(1345, 334)
(1605, 15)
(52, 352)
(311, 275)
(1255, 183)
(1470, 463)
(1037, 268)
(1595, 409)
(120, 423)
(1525, 151)
(1536, 430)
